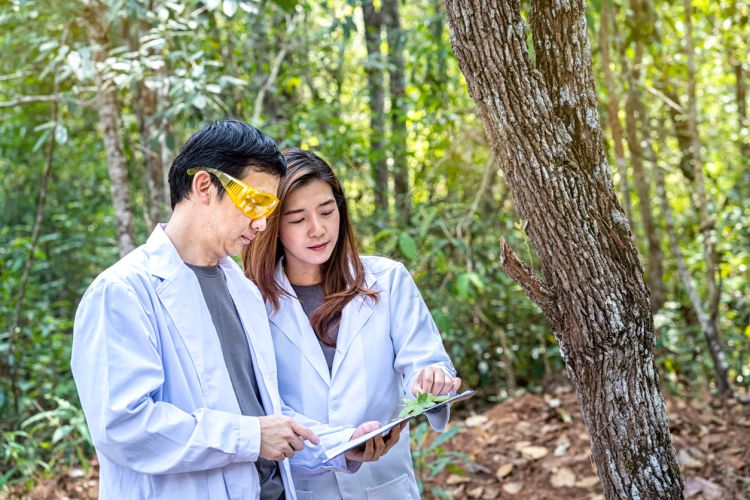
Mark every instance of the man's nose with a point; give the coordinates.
(259, 224)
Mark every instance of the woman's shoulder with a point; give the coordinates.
(378, 264)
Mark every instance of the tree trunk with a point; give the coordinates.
(109, 118)
(634, 114)
(144, 105)
(613, 109)
(392, 22)
(707, 223)
(375, 72)
(543, 127)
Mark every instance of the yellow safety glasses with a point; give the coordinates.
(253, 203)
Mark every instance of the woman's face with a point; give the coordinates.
(309, 231)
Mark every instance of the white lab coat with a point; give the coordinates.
(381, 347)
(156, 393)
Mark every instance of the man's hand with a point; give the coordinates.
(376, 447)
(281, 436)
(436, 381)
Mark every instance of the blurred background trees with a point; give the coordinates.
(97, 96)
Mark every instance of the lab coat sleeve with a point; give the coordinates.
(416, 339)
(117, 368)
(308, 462)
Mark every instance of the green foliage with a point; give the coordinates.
(210, 60)
(430, 458)
(423, 401)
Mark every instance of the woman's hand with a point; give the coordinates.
(376, 447)
(436, 381)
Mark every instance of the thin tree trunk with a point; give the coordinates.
(109, 117)
(144, 105)
(634, 114)
(11, 363)
(613, 109)
(707, 222)
(270, 81)
(543, 127)
(397, 85)
(375, 71)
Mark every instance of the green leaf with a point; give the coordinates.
(407, 245)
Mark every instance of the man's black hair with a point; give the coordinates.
(231, 146)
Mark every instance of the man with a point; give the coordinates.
(172, 353)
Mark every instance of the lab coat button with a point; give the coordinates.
(335, 406)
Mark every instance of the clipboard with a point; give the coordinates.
(383, 430)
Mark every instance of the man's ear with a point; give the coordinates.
(203, 187)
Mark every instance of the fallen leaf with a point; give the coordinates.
(688, 461)
(587, 482)
(697, 485)
(563, 443)
(476, 420)
(521, 444)
(476, 492)
(503, 470)
(454, 479)
(512, 488)
(534, 452)
(563, 477)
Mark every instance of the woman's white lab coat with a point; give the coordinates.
(381, 347)
(155, 390)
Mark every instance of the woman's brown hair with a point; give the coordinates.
(343, 274)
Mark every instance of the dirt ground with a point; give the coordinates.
(536, 447)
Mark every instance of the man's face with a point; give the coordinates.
(232, 229)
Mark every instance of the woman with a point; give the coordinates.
(352, 334)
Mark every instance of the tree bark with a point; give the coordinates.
(397, 85)
(543, 126)
(375, 71)
(707, 223)
(109, 117)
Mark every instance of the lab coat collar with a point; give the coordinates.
(291, 319)
(180, 291)
(296, 326)
(164, 261)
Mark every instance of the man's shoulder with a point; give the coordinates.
(131, 271)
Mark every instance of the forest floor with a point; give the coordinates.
(535, 446)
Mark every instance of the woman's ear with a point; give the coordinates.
(202, 187)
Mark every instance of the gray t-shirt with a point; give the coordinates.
(239, 363)
(311, 297)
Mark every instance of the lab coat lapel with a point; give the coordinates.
(179, 292)
(353, 318)
(291, 319)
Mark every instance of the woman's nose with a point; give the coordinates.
(315, 228)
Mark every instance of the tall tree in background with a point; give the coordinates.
(613, 107)
(109, 119)
(542, 124)
(375, 87)
(635, 115)
(145, 104)
(397, 85)
(710, 318)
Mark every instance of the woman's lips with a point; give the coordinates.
(317, 248)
